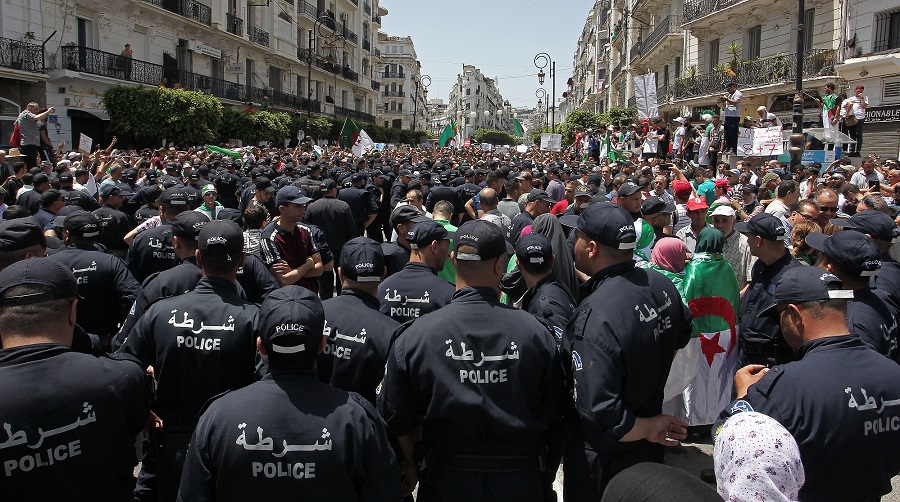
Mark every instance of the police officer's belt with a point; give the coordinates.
(489, 463)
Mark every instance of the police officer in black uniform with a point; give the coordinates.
(853, 258)
(70, 419)
(545, 298)
(360, 201)
(618, 355)
(290, 436)
(175, 281)
(114, 224)
(445, 192)
(227, 184)
(396, 254)
(105, 284)
(884, 232)
(483, 380)
(416, 290)
(199, 345)
(152, 249)
(760, 337)
(846, 423)
(357, 334)
(400, 187)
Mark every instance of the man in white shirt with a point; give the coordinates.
(766, 118)
(678, 138)
(855, 107)
(732, 101)
(866, 174)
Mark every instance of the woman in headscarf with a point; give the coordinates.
(756, 458)
(564, 264)
(700, 381)
(668, 258)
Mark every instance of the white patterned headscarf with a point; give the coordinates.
(757, 459)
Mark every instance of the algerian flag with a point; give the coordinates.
(449, 134)
(705, 368)
(518, 130)
(223, 151)
(353, 137)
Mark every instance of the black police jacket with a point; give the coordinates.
(413, 292)
(114, 224)
(178, 280)
(70, 423)
(256, 280)
(360, 202)
(335, 216)
(152, 251)
(521, 221)
(290, 436)
(397, 193)
(395, 257)
(448, 194)
(764, 331)
(619, 352)
(200, 344)
(869, 316)
(483, 378)
(888, 280)
(106, 287)
(551, 303)
(841, 402)
(358, 340)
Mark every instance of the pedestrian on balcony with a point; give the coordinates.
(264, 105)
(127, 55)
(732, 100)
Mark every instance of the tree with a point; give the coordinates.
(157, 113)
(494, 137)
(320, 128)
(254, 128)
(578, 119)
(620, 115)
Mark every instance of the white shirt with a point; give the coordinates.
(855, 106)
(860, 179)
(734, 109)
(679, 138)
(770, 121)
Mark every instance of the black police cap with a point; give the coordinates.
(362, 260)
(534, 250)
(485, 237)
(37, 271)
(20, 233)
(805, 284)
(291, 323)
(765, 225)
(654, 205)
(221, 239)
(405, 213)
(82, 224)
(605, 223)
(875, 223)
(853, 252)
(187, 225)
(426, 232)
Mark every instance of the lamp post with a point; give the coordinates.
(425, 81)
(500, 119)
(473, 115)
(797, 138)
(541, 60)
(541, 95)
(487, 117)
(321, 21)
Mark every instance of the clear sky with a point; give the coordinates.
(500, 37)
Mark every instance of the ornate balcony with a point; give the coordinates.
(20, 55)
(258, 36)
(187, 8)
(234, 25)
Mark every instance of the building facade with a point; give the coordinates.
(403, 100)
(438, 118)
(476, 103)
(294, 55)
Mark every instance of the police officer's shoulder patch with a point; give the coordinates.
(576, 361)
(740, 406)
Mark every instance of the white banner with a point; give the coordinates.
(551, 142)
(84, 143)
(760, 142)
(645, 96)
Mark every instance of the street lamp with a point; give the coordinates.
(321, 21)
(500, 118)
(541, 95)
(425, 81)
(798, 139)
(473, 115)
(541, 60)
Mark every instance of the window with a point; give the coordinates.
(85, 32)
(385, 109)
(468, 92)
(665, 82)
(754, 36)
(809, 28)
(887, 31)
(386, 123)
(275, 78)
(891, 92)
(399, 107)
(677, 67)
(393, 105)
(713, 54)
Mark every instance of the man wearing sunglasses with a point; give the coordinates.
(827, 203)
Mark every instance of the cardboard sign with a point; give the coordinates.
(760, 142)
(84, 143)
(551, 142)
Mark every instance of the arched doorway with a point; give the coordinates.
(9, 112)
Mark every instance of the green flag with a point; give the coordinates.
(518, 131)
(349, 133)
(223, 151)
(449, 134)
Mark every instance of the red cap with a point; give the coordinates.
(860, 87)
(681, 188)
(696, 204)
(722, 183)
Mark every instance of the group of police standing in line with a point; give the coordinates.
(255, 388)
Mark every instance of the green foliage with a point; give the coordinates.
(181, 117)
(321, 128)
(583, 120)
(620, 115)
(253, 128)
(494, 137)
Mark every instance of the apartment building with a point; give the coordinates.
(403, 100)
(475, 102)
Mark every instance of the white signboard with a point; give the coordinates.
(760, 142)
(551, 142)
(84, 143)
(645, 96)
(234, 69)
(206, 50)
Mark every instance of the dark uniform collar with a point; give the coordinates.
(476, 293)
(31, 353)
(774, 268)
(420, 265)
(529, 294)
(588, 287)
(366, 298)
(294, 374)
(828, 342)
(190, 259)
(217, 284)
